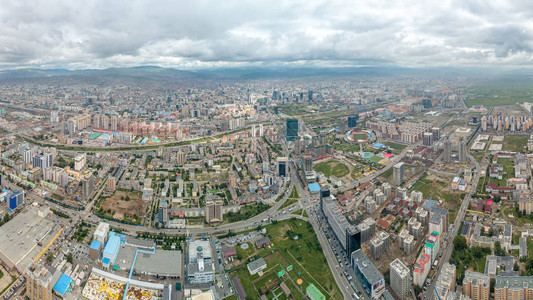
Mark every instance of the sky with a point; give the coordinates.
(75, 34)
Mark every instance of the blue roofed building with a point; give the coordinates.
(378, 145)
(111, 250)
(95, 250)
(314, 188)
(121, 236)
(63, 285)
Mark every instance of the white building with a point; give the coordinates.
(400, 278)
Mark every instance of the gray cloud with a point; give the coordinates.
(201, 33)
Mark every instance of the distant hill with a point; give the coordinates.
(153, 73)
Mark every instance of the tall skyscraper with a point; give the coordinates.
(87, 186)
(352, 121)
(427, 139)
(398, 171)
(400, 278)
(447, 156)
(292, 129)
(462, 151)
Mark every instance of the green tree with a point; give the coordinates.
(459, 243)
(69, 257)
(49, 257)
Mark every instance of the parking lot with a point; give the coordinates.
(80, 252)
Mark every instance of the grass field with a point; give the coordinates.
(515, 143)
(360, 136)
(500, 92)
(396, 146)
(332, 167)
(303, 253)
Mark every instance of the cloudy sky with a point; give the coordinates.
(196, 33)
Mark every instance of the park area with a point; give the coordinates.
(294, 257)
(332, 167)
(123, 206)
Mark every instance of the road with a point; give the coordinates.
(458, 220)
(341, 281)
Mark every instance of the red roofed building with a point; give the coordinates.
(383, 224)
(421, 269)
(229, 252)
(488, 207)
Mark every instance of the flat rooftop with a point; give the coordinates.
(366, 267)
(163, 262)
(19, 238)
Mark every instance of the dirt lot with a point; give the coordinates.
(122, 208)
(394, 252)
(5, 281)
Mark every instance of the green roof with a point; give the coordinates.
(315, 293)
(95, 135)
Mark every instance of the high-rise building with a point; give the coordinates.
(400, 278)
(352, 121)
(421, 269)
(213, 210)
(513, 287)
(431, 247)
(180, 157)
(39, 283)
(292, 129)
(163, 212)
(367, 274)
(462, 151)
(447, 156)
(79, 162)
(87, 186)
(398, 171)
(445, 283)
(427, 139)
(476, 285)
(436, 133)
(307, 162)
(283, 166)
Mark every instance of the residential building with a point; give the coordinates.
(476, 285)
(39, 282)
(445, 282)
(400, 278)
(398, 173)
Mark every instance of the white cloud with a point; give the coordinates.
(201, 33)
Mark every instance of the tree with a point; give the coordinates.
(492, 284)
(516, 267)
(459, 243)
(49, 257)
(69, 258)
(498, 251)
